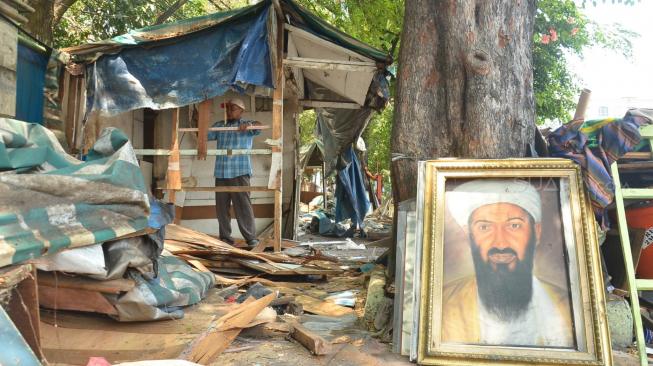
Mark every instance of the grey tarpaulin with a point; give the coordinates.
(339, 128)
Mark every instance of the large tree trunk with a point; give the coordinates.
(48, 13)
(465, 86)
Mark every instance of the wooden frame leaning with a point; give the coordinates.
(511, 272)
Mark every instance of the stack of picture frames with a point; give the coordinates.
(498, 264)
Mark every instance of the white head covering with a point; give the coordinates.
(237, 101)
(469, 196)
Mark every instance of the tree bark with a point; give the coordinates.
(465, 84)
(47, 14)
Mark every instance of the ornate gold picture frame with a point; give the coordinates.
(511, 270)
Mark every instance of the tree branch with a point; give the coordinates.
(60, 8)
(166, 14)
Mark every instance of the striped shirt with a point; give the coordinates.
(235, 165)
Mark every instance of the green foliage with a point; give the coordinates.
(562, 30)
(307, 125)
(95, 20)
(376, 22)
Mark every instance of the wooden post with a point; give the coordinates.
(23, 309)
(277, 134)
(583, 102)
(203, 128)
(174, 170)
(324, 184)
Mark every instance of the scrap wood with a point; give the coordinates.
(317, 255)
(186, 241)
(205, 348)
(276, 269)
(313, 342)
(282, 327)
(73, 299)
(60, 280)
(320, 307)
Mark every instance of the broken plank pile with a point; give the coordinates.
(230, 264)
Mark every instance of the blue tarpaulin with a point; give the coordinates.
(234, 55)
(352, 201)
(30, 81)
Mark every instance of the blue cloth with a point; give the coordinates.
(30, 81)
(352, 201)
(595, 145)
(235, 165)
(233, 55)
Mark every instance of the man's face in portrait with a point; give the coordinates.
(503, 237)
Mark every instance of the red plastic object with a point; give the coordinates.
(97, 361)
(642, 218)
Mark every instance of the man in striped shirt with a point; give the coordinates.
(234, 170)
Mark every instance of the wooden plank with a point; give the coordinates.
(218, 129)
(59, 280)
(637, 193)
(173, 175)
(11, 276)
(583, 102)
(277, 135)
(334, 65)
(202, 128)
(639, 165)
(72, 299)
(24, 5)
(205, 348)
(193, 152)
(637, 155)
(644, 285)
(23, 309)
(327, 104)
(628, 261)
(12, 13)
(312, 341)
(319, 307)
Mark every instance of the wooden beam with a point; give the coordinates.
(23, 309)
(193, 152)
(203, 127)
(325, 104)
(637, 155)
(312, 341)
(24, 5)
(190, 129)
(12, 13)
(173, 175)
(84, 283)
(59, 298)
(277, 135)
(335, 65)
(205, 348)
(583, 102)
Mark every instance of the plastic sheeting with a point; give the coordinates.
(162, 297)
(352, 201)
(234, 55)
(337, 129)
(52, 201)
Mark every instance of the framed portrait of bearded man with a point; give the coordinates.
(510, 265)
